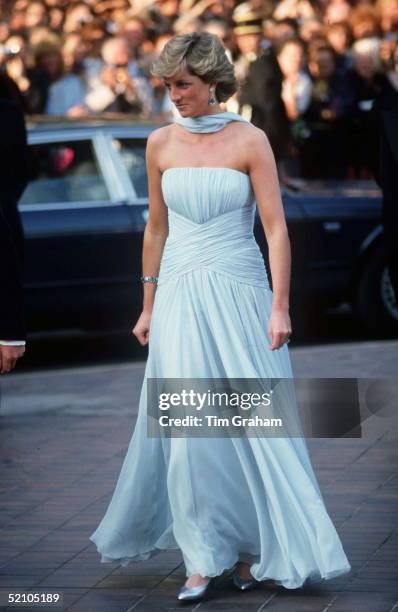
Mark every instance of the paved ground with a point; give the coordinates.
(63, 436)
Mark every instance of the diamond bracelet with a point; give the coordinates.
(149, 279)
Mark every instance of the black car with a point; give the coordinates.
(84, 213)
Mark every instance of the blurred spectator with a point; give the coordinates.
(386, 109)
(283, 30)
(388, 13)
(337, 11)
(392, 74)
(260, 98)
(4, 31)
(36, 15)
(323, 144)
(48, 68)
(297, 85)
(118, 87)
(77, 16)
(339, 37)
(74, 52)
(134, 31)
(15, 61)
(222, 29)
(163, 108)
(364, 22)
(42, 34)
(17, 19)
(296, 93)
(294, 9)
(367, 81)
(311, 29)
(65, 95)
(55, 18)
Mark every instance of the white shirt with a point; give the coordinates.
(301, 90)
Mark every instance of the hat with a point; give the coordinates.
(246, 20)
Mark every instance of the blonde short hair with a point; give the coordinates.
(203, 55)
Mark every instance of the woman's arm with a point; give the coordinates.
(155, 234)
(264, 178)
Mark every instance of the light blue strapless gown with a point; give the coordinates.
(218, 500)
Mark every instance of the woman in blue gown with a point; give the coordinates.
(248, 503)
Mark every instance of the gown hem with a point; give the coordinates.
(313, 577)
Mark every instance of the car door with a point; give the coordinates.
(129, 148)
(78, 232)
(295, 220)
(340, 217)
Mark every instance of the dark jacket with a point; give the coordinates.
(386, 110)
(13, 180)
(262, 91)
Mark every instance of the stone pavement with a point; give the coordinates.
(63, 437)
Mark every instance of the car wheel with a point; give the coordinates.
(376, 302)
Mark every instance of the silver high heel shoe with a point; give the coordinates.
(244, 584)
(194, 593)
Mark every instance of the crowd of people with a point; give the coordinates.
(313, 73)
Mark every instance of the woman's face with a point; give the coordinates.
(74, 49)
(189, 93)
(338, 39)
(248, 43)
(35, 15)
(290, 59)
(311, 29)
(134, 33)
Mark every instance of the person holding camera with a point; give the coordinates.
(118, 87)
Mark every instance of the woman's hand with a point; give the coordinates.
(141, 329)
(279, 328)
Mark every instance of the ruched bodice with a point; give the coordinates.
(211, 219)
(200, 193)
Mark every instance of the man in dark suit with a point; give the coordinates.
(387, 108)
(13, 180)
(258, 71)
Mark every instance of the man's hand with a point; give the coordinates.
(9, 356)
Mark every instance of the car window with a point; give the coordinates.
(64, 172)
(132, 152)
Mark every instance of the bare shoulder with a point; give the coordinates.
(251, 136)
(256, 136)
(156, 144)
(254, 143)
(159, 136)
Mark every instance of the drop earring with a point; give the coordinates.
(212, 99)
